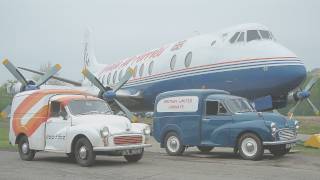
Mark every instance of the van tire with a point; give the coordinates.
(279, 150)
(70, 156)
(250, 147)
(25, 152)
(173, 144)
(205, 149)
(134, 158)
(83, 152)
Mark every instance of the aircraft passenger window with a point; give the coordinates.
(114, 77)
(234, 37)
(120, 75)
(150, 68)
(241, 37)
(252, 35)
(173, 62)
(213, 43)
(188, 59)
(265, 34)
(108, 78)
(211, 108)
(141, 70)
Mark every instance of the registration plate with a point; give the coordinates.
(131, 151)
(288, 146)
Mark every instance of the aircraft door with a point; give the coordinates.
(56, 128)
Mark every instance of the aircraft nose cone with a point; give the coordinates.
(297, 75)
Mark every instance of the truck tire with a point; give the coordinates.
(250, 147)
(173, 144)
(25, 152)
(134, 158)
(279, 151)
(205, 149)
(83, 152)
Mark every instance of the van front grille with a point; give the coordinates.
(123, 140)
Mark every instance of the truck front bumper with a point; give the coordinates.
(124, 147)
(271, 143)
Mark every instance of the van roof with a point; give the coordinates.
(192, 92)
(65, 99)
(52, 91)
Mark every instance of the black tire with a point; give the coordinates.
(205, 149)
(250, 147)
(134, 158)
(71, 156)
(25, 152)
(84, 159)
(179, 149)
(279, 151)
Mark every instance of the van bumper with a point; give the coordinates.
(125, 147)
(271, 143)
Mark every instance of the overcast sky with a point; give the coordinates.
(33, 32)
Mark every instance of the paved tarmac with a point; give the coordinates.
(221, 163)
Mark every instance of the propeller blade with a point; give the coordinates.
(130, 115)
(15, 72)
(124, 79)
(93, 79)
(315, 109)
(294, 107)
(311, 83)
(43, 79)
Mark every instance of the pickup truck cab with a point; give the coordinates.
(75, 123)
(214, 118)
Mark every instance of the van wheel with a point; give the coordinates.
(279, 151)
(70, 156)
(134, 158)
(25, 152)
(173, 144)
(250, 147)
(83, 152)
(205, 149)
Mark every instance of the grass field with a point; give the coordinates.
(4, 142)
(309, 124)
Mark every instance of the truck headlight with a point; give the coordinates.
(296, 124)
(273, 128)
(147, 130)
(104, 132)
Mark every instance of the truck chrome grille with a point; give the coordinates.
(122, 140)
(286, 134)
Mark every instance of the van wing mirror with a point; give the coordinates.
(64, 115)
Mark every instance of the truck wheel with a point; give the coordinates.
(83, 152)
(205, 149)
(25, 152)
(279, 151)
(134, 158)
(250, 147)
(173, 144)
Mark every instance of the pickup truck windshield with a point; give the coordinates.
(239, 105)
(83, 107)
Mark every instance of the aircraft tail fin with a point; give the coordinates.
(89, 58)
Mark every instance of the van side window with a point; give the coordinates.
(55, 109)
(211, 108)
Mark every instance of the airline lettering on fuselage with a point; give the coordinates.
(178, 45)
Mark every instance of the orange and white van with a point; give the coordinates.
(75, 123)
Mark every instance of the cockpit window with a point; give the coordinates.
(252, 35)
(234, 37)
(241, 37)
(265, 34)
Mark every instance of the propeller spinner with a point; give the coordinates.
(109, 93)
(30, 85)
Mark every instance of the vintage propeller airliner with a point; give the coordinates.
(245, 60)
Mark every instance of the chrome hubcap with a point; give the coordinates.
(83, 152)
(25, 148)
(173, 144)
(249, 147)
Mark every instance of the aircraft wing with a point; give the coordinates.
(75, 83)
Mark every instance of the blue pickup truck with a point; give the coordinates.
(214, 118)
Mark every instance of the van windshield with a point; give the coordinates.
(83, 107)
(239, 105)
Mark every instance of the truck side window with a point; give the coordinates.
(211, 108)
(55, 109)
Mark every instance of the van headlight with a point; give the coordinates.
(296, 124)
(147, 130)
(104, 132)
(273, 128)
